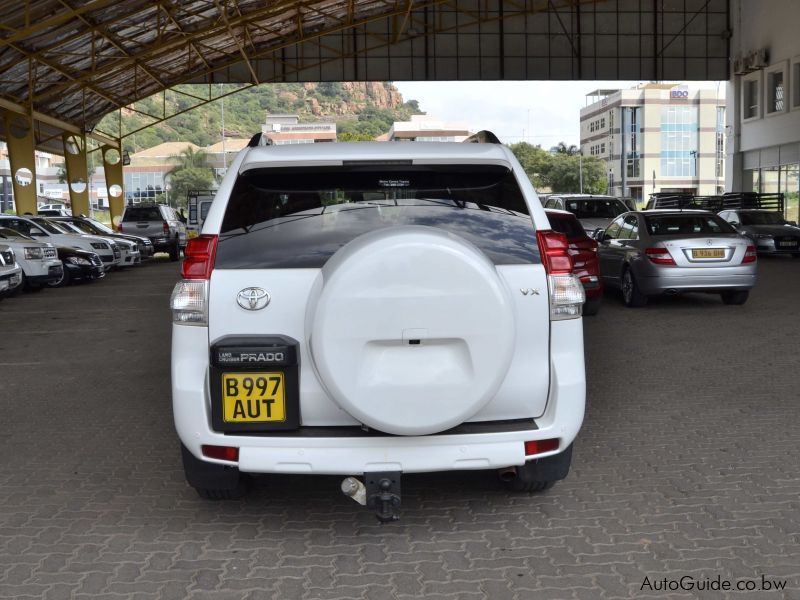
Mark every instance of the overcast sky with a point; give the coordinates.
(544, 112)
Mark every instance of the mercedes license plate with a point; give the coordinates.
(708, 253)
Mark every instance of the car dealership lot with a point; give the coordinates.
(688, 464)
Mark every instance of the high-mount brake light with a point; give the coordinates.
(200, 254)
(660, 256)
(750, 255)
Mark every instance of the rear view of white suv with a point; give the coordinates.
(369, 310)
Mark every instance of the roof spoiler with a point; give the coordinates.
(482, 137)
(259, 139)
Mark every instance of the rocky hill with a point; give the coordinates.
(360, 109)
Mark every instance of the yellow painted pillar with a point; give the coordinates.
(75, 160)
(22, 156)
(112, 166)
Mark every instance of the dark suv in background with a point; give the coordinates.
(159, 223)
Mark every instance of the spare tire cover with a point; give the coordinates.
(413, 330)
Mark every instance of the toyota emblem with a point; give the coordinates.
(253, 298)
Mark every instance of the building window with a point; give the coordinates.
(750, 98)
(775, 92)
(679, 133)
(795, 81)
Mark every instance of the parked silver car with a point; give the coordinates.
(770, 232)
(646, 253)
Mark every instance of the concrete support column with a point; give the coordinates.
(112, 165)
(75, 160)
(22, 156)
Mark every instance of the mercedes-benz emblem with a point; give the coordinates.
(709, 242)
(253, 298)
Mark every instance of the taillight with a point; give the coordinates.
(565, 290)
(200, 254)
(554, 248)
(659, 256)
(119, 227)
(228, 453)
(749, 255)
(166, 228)
(534, 447)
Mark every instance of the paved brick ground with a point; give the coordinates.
(688, 464)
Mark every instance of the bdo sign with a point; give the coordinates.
(679, 93)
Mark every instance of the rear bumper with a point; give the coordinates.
(592, 289)
(340, 455)
(656, 279)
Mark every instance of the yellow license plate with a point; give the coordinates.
(708, 253)
(192, 234)
(253, 398)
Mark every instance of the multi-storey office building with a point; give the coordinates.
(657, 138)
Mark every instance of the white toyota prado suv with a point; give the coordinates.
(373, 309)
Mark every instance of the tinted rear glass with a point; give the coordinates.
(762, 218)
(298, 218)
(595, 208)
(568, 225)
(142, 213)
(686, 225)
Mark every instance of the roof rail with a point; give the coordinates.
(483, 137)
(744, 200)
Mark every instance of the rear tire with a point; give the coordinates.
(735, 298)
(631, 294)
(796, 255)
(175, 252)
(591, 307)
(212, 481)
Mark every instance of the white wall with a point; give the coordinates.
(775, 25)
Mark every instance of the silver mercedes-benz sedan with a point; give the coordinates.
(647, 253)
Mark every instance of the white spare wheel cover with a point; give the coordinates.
(413, 330)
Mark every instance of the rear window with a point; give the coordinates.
(762, 218)
(298, 218)
(595, 208)
(568, 225)
(686, 224)
(142, 213)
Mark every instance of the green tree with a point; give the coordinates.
(562, 148)
(183, 180)
(350, 136)
(189, 158)
(564, 174)
(535, 161)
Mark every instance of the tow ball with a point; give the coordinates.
(379, 491)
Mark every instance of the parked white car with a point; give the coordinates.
(38, 260)
(129, 250)
(10, 271)
(369, 310)
(44, 231)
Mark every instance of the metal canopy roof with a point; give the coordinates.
(70, 62)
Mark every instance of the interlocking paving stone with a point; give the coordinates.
(688, 463)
